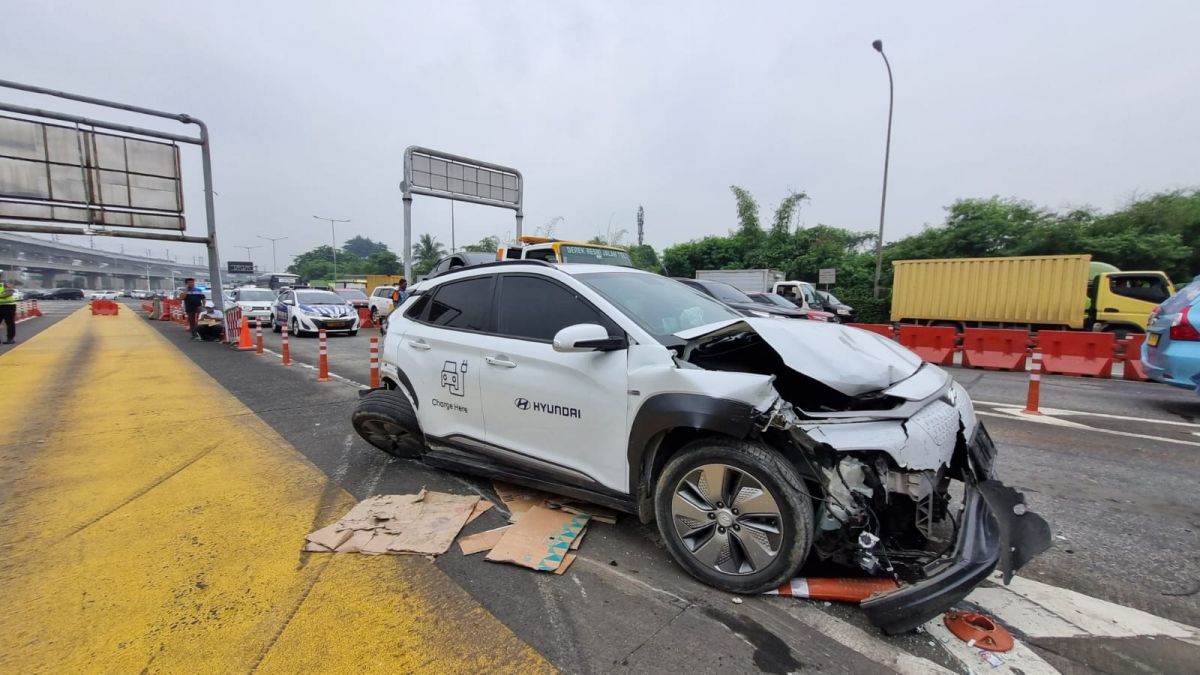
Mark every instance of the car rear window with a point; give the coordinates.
(462, 304)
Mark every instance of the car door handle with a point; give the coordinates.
(1111, 309)
(419, 344)
(499, 362)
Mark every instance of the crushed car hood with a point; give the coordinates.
(849, 360)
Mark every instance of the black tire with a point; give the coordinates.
(352, 333)
(375, 315)
(783, 485)
(385, 419)
(276, 327)
(294, 328)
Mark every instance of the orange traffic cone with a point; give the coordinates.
(244, 342)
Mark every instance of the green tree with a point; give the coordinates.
(784, 212)
(485, 245)
(645, 258)
(747, 214)
(426, 252)
(361, 247)
(383, 262)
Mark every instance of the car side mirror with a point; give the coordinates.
(587, 337)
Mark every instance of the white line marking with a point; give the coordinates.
(1020, 659)
(331, 373)
(1017, 413)
(1060, 411)
(857, 639)
(1042, 610)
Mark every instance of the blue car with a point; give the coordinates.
(1171, 352)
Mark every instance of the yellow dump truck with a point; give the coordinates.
(1051, 292)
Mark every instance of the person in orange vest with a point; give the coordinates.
(400, 294)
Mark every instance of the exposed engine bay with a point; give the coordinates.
(899, 468)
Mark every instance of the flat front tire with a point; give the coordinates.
(734, 514)
(385, 419)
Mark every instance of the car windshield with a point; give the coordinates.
(247, 295)
(573, 253)
(351, 293)
(1182, 298)
(318, 298)
(779, 301)
(726, 293)
(659, 305)
(832, 298)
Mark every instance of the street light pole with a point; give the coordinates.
(248, 248)
(274, 266)
(333, 235)
(887, 155)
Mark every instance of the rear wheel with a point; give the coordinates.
(385, 419)
(734, 514)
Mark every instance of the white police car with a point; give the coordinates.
(756, 444)
(305, 311)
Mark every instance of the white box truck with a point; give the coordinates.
(766, 281)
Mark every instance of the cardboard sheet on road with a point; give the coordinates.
(540, 540)
(424, 523)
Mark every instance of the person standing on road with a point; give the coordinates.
(8, 309)
(400, 294)
(193, 301)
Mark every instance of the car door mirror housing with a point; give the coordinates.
(587, 337)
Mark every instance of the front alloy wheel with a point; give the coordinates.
(734, 514)
(726, 519)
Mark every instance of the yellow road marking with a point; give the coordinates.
(157, 524)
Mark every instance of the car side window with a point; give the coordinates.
(462, 304)
(535, 308)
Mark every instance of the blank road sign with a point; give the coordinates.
(827, 276)
(454, 177)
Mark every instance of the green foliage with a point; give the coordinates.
(645, 258)
(361, 247)
(426, 253)
(485, 245)
(784, 212)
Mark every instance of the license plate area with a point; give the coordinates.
(1152, 339)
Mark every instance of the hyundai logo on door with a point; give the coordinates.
(522, 403)
(548, 408)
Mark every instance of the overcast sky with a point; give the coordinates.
(607, 105)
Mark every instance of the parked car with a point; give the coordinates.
(741, 302)
(380, 302)
(1171, 352)
(64, 294)
(460, 259)
(355, 296)
(34, 294)
(305, 311)
(776, 300)
(757, 445)
(256, 303)
(844, 313)
(103, 295)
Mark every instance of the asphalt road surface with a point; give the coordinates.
(1112, 465)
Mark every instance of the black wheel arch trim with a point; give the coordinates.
(662, 413)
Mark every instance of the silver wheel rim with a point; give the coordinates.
(382, 433)
(726, 519)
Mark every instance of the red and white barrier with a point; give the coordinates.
(322, 350)
(1035, 384)
(287, 351)
(374, 363)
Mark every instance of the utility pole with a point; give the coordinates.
(274, 267)
(333, 235)
(641, 221)
(452, 226)
(248, 249)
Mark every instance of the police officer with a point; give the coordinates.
(8, 310)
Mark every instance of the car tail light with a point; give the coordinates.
(1182, 328)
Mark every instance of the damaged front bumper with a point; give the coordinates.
(996, 531)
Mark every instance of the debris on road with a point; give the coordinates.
(978, 630)
(540, 540)
(518, 500)
(840, 590)
(482, 541)
(423, 523)
(480, 508)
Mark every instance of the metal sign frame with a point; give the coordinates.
(458, 171)
(214, 260)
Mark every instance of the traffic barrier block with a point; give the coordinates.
(105, 308)
(244, 343)
(364, 318)
(1066, 352)
(994, 349)
(1134, 368)
(934, 344)
(884, 329)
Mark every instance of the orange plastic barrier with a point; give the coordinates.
(105, 308)
(364, 318)
(168, 309)
(1134, 368)
(884, 329)
(1066, 352)
(839, 590)
(994, 348)
(934, 344)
